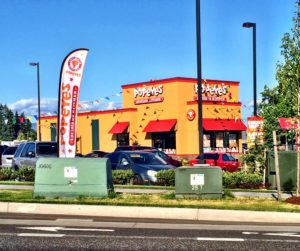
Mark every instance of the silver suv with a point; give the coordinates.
(28, 153)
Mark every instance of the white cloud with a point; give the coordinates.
(49, 106)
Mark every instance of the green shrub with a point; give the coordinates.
(26, 174)
(5, 173)
(166, 177)
(122, 176)
(242, 180)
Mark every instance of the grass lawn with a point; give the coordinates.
(157, 200)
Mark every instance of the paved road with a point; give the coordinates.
(19, 232)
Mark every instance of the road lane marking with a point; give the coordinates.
(40, 235)
(248, 233)
(55, 229)
(219, 239)
(283, 234)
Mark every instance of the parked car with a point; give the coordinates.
(224, 160)
(28, 153)
(133, 148)
(2, 149)
(95, 154)
(164, 156)
(7, 156)
(144, 165)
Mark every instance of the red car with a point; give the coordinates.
(224, 160)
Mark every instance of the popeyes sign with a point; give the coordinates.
(217, 90)
(70, 80)
(148, 95)
(148, 92)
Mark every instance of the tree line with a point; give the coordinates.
(15, 126)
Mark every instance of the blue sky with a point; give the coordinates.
(135, 41)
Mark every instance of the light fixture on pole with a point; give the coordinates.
(253, 25)
(37, 64)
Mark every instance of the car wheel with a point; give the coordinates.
(136, 180)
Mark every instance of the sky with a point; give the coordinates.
(133, 41)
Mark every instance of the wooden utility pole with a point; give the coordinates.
(277, 166)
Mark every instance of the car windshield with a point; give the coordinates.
(146, 159)
(228, 157)
(47, 149)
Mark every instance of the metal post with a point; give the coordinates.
(199, 79)
(37, 64)
(277, 166)
(39, 100)
(254, 69)
(253, 25)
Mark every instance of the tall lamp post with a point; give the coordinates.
(37, 64)
(253, 25)
(199, 81)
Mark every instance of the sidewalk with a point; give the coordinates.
(151, 213)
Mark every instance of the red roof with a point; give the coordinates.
(119, 127)
(223, 125)
(160, 125)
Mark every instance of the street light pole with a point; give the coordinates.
(37, 64)
(199, 80)
(253, 25)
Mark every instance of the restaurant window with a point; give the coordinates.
(123, 139)
(166, 141)
(222, 141)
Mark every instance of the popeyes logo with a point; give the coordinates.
(74, 63)
(148, 92)
(191, 114)
(212, 89)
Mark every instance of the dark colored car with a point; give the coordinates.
(224, 160)
(95, 154)
(165, 157)
(133, 148)
(144, 165)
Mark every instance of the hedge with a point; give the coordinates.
(122, 176)
(164, 177)
(23, 174)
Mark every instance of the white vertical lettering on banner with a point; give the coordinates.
(70, 80)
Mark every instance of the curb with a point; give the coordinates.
(150, 212)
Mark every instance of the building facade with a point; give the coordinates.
(164, 114)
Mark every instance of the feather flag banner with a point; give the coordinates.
(69, 89)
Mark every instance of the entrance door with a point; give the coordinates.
(95, 134)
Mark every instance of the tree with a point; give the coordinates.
(282, 100)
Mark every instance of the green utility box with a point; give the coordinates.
(200, 181)
(287, 169)
(73, 177)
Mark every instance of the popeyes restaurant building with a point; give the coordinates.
(164, 114)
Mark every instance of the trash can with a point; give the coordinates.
(199, 181)
(287, 170)
(73, 177)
